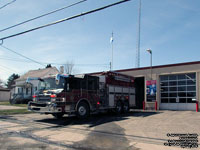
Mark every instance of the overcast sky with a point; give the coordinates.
(169, 27)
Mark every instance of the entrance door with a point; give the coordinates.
(139, 92)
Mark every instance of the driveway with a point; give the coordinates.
(132, 131)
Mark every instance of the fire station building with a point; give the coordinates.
(172, 87)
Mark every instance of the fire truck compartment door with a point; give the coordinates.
(132, 100)
(111, 96)
(111, 100)
(132, 97)
(111, 89)
(118, 89)
(125, 90)
(132, 90)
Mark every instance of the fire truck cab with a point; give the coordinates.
(84, 94)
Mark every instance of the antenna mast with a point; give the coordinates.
(138, 38)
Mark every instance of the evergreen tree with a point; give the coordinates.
(1, 83)
(48, 66)
(11, 81)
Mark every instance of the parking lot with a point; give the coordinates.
(132, 131)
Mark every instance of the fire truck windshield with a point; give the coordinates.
(50, 83)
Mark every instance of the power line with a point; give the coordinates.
(21, 60)
(65, 19)
(76, 64)
(21, 55)
(7, 4)
(14, 59)
(8, 68)
(92, 64)
(54, 11)
(4, 70)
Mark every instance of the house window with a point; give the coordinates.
(26, 91)
(20, 90)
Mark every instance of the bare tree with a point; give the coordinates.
(69, 67)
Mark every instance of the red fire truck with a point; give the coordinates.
(84, 94)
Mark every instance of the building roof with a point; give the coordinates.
(40, 73)
(153, 67)
(4, 89)
(161, 66)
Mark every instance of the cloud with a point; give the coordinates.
(1, 53)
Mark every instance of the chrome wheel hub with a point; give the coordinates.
(82, 110)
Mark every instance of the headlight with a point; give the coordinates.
(34, 98)
(63, 99)
(53, 97)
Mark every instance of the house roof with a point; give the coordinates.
(40, 73)
(153, 67)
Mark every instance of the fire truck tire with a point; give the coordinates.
(58, 115)
(118, 108)
(83, 110)
(125, 107)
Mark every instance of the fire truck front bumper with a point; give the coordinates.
(46, 108)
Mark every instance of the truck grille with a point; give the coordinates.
(43, 99)
(38, 104)
(36, 108)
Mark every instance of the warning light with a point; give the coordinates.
(53, 96)
(98, 103)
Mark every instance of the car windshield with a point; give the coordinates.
(50, 83)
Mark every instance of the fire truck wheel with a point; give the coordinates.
(118, 108)
(58, 115)
(125, 107)
(82, 110)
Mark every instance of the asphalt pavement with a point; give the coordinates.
(132, 131)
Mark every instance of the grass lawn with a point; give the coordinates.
(8, 104)
(14, 111)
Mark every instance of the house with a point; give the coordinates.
(24, 90)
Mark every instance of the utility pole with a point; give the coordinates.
(137, 65)
(150, 52)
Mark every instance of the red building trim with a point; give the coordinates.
(153, 67)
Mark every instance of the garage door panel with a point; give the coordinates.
(178, 91)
